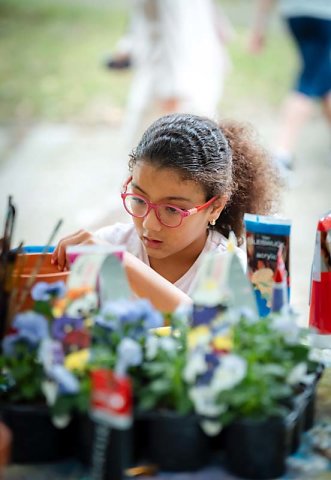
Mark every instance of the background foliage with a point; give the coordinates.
(52, 54)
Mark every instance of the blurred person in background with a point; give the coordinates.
(309, 24)
(177, 50)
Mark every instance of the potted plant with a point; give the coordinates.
(23, 401)
(175, 439)
(244, 372)
(127, 337)
(118, 333)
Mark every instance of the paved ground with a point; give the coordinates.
(74, 172)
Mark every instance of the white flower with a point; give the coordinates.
(196, 365)
(152, 345)
(211, 427)
(183, 313)
(50, 390)
(297, 374)
(61, 421)
(68, 383)
(83, 307)
(129, 355)
(308, 379)
(287, 327)
(168, 344)
(205, 403)
(231, 370)
(50, 352)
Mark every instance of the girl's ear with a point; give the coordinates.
(218, 206)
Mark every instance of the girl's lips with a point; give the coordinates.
(152, 243)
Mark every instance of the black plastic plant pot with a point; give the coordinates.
(118, 447)
(310, 394)
(310, 407)
(35, 438)
(257, 448)
(300, 403)
(141, 437)
(177, 442)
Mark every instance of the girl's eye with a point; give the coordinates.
(171, 210)
(138, 201)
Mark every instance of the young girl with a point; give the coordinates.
(190, 183)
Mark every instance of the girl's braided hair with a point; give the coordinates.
(223, 159)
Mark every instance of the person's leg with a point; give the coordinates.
(295, 113)
(326, 103)
(309, 38)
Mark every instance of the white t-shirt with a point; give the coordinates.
(124, 234)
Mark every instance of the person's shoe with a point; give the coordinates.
(284, 165)
(119, 63)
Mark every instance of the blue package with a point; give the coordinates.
(264, 236)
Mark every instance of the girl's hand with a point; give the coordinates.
(82, 237)
(256, 42)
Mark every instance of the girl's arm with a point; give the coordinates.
(147, 283)
(260, 23)
(144, 282)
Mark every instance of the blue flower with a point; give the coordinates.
(43, 291)
(31, 328)
(129, 354)
(9, 344)
(107, 323)
(152, 318)
(63, 325)
(129, 312)
(120, 309)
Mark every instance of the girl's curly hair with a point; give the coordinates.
(223, 159)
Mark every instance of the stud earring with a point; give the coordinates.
(212, 222)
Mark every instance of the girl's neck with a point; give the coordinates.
(174, 267)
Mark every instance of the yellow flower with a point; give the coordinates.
(88, 322)
(77, 360)
(198, 334)
(59, 307)
(223, 343)
(162, 331)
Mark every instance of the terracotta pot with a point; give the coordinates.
(5, 445)
(25, 268)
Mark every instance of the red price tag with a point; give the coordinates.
(111, 400)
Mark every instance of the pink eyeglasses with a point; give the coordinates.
(168, 215)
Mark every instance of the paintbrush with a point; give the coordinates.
(7, 260)
(26, 289)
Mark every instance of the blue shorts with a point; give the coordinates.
(313, 39)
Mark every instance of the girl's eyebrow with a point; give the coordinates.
(168, 199)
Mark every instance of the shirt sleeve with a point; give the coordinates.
(124, 235)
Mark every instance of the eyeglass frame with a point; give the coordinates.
(154, 206)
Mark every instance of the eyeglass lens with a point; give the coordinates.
(168, 215)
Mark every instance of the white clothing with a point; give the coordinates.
(177, 52)
(124, 234)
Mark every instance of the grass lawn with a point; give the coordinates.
(52, 52)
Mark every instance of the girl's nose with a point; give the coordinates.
(151, 221)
